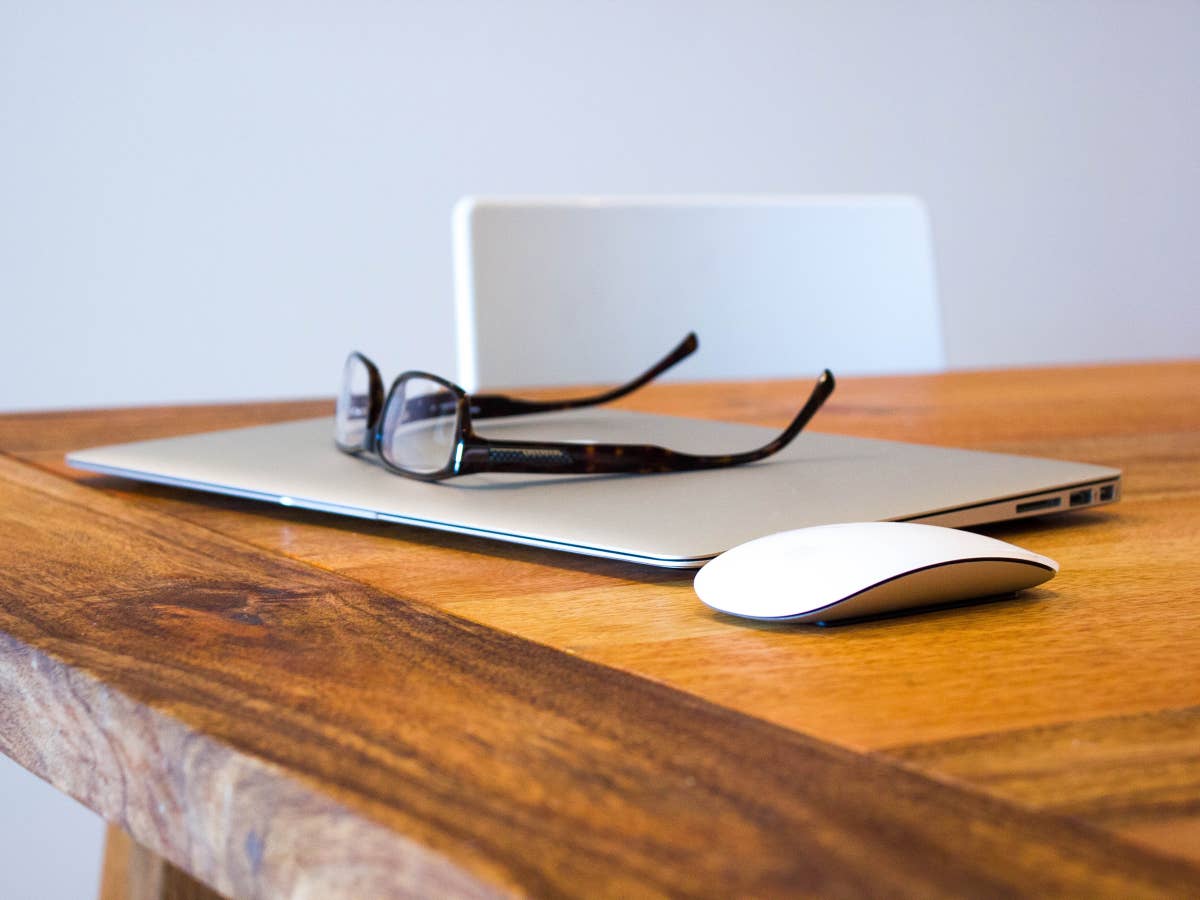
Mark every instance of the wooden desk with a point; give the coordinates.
(285, 703)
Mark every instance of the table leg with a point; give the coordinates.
(131, 872)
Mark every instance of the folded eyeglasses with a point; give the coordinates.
(423, 427)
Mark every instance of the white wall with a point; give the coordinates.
(50, 846)
(218, 200)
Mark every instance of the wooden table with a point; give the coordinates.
(291, 704)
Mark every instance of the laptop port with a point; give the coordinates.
(1108, 492)
(1034, 505)
(1081, 498)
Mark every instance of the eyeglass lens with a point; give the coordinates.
(353, 404)
(420, 426)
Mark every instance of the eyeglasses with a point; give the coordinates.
(423, 428)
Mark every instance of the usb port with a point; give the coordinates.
(1107, 492)
(1081, 498)
(1034, 505)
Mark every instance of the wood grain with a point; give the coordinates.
(964, 697)
(279, 730)
(1125, 627)
(1138, 775)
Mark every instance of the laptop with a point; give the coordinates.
(674, 520)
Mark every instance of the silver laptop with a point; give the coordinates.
(677, 520)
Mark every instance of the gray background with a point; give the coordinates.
(218, 200)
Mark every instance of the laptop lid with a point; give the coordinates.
(675, 520)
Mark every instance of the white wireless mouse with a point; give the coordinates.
(833, 572)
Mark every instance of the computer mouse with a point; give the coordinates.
(846, 571)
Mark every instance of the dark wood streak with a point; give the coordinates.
(273, 728)
(230, 819)
(1134, 774)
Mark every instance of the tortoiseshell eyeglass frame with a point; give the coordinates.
(472, 453)
(494, 406)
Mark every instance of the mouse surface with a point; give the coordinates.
(846, 571)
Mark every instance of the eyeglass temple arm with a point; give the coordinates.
(491, 406)
(587, 458)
